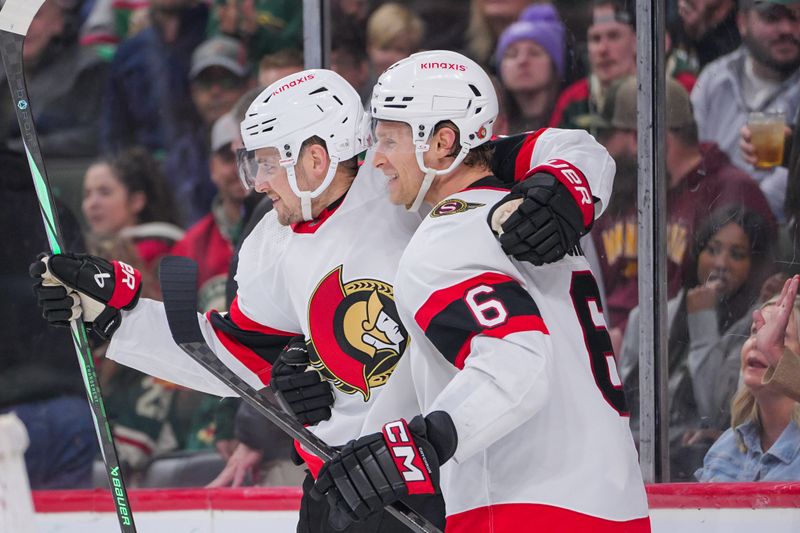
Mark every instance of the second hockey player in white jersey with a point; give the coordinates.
(525, 426)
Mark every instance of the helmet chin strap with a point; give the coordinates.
(431, 173)
(306, 196)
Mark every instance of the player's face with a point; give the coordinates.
(754, 363)
(273, 181)
(396, 158)
(107, 205)
(725, 259)
(612, 47)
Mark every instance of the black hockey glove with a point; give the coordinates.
(550, 218)
(70, 285)
(303, 393)
(378, 469)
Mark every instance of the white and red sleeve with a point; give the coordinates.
(245, 346)
(576, 159)
(490, 329)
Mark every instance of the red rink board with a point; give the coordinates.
(660, 496)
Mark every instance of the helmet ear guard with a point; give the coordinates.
(312, 103)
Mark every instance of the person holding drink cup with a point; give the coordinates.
(766, 135)
(763, 75)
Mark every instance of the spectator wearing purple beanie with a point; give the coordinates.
(530, 59)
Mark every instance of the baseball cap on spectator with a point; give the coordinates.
(539, 23)
(223, 132)
(624, 11)
(619, 111)
(220, 51)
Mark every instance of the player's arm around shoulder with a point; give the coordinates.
(470, 303)
(564, 180)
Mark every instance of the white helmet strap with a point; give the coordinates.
(307, 196)
(430, 173)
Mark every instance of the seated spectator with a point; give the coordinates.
(65, 83)
(349, 60)
(763, 74)
(40, 379)
(394, 32)
(218, 77)
(487, 21)
(530, 55)
(147, 100)
(709, 320)
(264, 26)
(128, 196)
(763, 441)
(275, 66)
(701, 179)
(707, 30)
(210, 241)
(612, 56)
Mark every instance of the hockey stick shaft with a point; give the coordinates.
(15, 19)
(179, 288)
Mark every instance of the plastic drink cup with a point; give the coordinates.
(768, 137)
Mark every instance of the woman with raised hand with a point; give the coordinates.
(763, 442)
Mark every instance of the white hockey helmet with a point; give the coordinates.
(295, 108)
(429, 87)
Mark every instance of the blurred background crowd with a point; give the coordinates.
(137, 105)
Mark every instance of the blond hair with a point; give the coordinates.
(744, 407)
(392, 21)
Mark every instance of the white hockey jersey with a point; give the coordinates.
(520, 359)
(331, 280)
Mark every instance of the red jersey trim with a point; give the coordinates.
(440, 299)
(244, 322)
(311, 226)
(246, 356)
(515, 324)
(523, 162)
(507, 518)
(313, 462)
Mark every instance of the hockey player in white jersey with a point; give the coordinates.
(525, 426)
(322, 265)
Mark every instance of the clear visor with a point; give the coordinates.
(258, 166)
(390, 137)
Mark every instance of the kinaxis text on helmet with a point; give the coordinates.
(446, 66)
(293, 83)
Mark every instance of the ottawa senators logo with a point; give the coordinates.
(452, 206)
(356, 335)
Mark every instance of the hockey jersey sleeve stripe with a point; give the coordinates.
(249, 358)
(246, 323)
(439, 300)
(522, 165)
(575, 181)
(491, 304)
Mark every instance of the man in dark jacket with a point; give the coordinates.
(39, 375)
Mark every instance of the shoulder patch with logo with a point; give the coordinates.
(452, 206)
